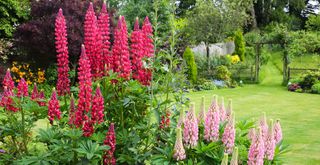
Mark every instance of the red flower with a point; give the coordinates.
(72, 111)
(7, 101)
(54, 107)
(97, 107)
(63, 83)
(88, 129)
(165, 121)
(41, 100)
(137, 51)
(148, 49)
(22, 88)
(108, 158)
(120, 51)
(35, 93)
(147, 35)
(7, 81)
(104, 32)
(92, 40)
(85, 90)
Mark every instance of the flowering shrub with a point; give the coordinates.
(24, 71)
(212, 141)
(293, 87)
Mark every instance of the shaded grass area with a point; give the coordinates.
(299, 112)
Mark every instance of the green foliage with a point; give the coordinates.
(204, 84)
(12, 13)
(66, 146)
(191, 65)
(313, 23)
(211, 22)
(15, 128)
(239, 45)
(303, 43)
(315, 88)
(223, 73)
(309, 79)
(209, 152)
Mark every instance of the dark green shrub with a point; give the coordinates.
(309, 79)
(191, 65)
(315, 88)
(240, 45)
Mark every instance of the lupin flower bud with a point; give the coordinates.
(234, 159)
(35, 92)
(202, 113)
(63, 83)
(222, 111)
(229, 109)
(270, 143)
(110, 140)
(97, 107)
(229, 134)
(54, 107)
(22, 88)
(7, 101)
(7, 80)
(104, 30)
(179, 153)
(190, 132)
(41, 101)
(90, 39)
(120, 50)
(88, 128)
(256, 151)
(181, 118)
(277, 132)
(225, 159)
(211, 126)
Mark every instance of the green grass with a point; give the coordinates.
(299, 113)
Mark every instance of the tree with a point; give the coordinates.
(191, 65)
(210, 22)
(240, 44)
(313, 23)
(12, 13)
(36, 37)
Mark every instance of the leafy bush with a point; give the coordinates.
(239, 44)
(315, 88)
(204, 84)
(223, 73)
(191, 65)
(36, 37)
(309, 79)
(313, 23)
(12, 13)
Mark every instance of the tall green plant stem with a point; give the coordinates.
(23, 131)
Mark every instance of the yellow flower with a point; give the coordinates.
(14, 69)
(235, 59)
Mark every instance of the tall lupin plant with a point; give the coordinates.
(91, 40)
(85, 89)
(120, 50)
(137, 52)
(104, 31)
(63, 83)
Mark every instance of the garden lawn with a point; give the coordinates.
(299, 112)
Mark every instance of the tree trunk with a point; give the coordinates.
(285, 67)
(254, 18)
(258, 51)
(208, 56)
